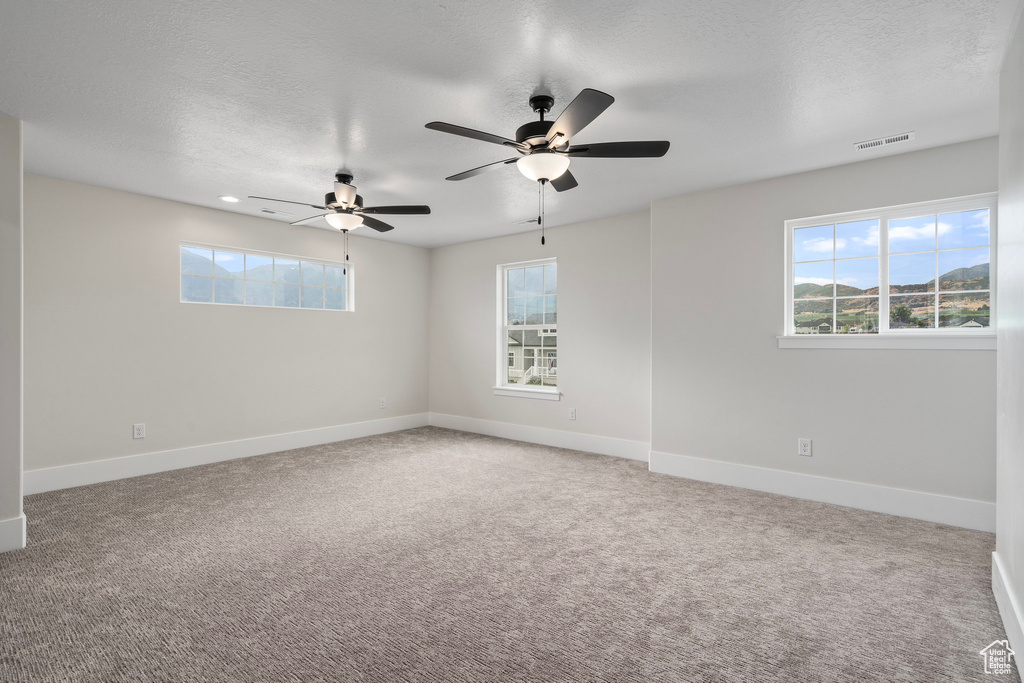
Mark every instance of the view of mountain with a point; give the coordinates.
(959, 279)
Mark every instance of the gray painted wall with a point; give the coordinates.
(10, 331)
(722, 389)
(107, 343)
(1010, 391)
(604, 322)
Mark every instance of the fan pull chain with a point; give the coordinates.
(346, 245)
(540, 202)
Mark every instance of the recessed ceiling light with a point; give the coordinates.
(229, 198)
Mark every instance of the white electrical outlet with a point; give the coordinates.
(572, 413)
(383, 404)
(803, 447)
(139, 431)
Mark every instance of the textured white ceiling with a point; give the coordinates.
(192, 99)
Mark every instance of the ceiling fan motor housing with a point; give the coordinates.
(534, 132)
(344, 192)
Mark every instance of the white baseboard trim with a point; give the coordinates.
(1009, 608)
(81, 474)
(931, 507)
(604, 445)
(12, 533)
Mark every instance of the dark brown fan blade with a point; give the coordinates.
(620, 150)
(286, 201)
(378, 225)
(564, 182)
(587, 106)
(479, 169)
(408, 210)
(319, 215)
(473, 134)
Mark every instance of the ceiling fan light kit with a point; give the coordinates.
(544, 165)
(343, 221)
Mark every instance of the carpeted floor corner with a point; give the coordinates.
(436, 555)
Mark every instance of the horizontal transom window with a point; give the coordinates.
(222, 275)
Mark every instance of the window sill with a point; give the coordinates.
(974, 342)
(551, 394)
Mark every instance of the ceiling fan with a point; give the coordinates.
(345, 210)
(544, 146)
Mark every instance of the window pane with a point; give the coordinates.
(228, 264)
(811, 280)
(912, 273)
(334, 299)
(551, 309)
(859, 238)
(286, 271)
(286, 295)
(964, 310)
(514, 346)
(813, 317)
(911, 311)
(964, 229)
(228, 291)
(196, 261)
(551, 279)
(963, 269)
(857, 316)
(259, 294)
(195, 288)
(516, 282)
(312, 297)
(535, 281)
(857, 277)
(547, 362)
(259, 268)
(912, 234)
(534, 310)
(813, 244)
(516, 311)
(334, 276)
(312, 274)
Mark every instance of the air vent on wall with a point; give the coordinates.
(881, 142)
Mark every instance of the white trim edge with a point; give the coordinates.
(603, 445)
(543, 394)
(12, 533)
(1009, 607)
(967, 342)
(81, 474)
(930, 507)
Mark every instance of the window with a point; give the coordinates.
(527, 329)
(220, 275)
(916, 269)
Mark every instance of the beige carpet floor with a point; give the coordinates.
(435, 555)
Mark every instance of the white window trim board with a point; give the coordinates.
(967, 342)
(546, 394)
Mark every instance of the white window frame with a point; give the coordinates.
(501, 386)
(349, 276)
(928, 338)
